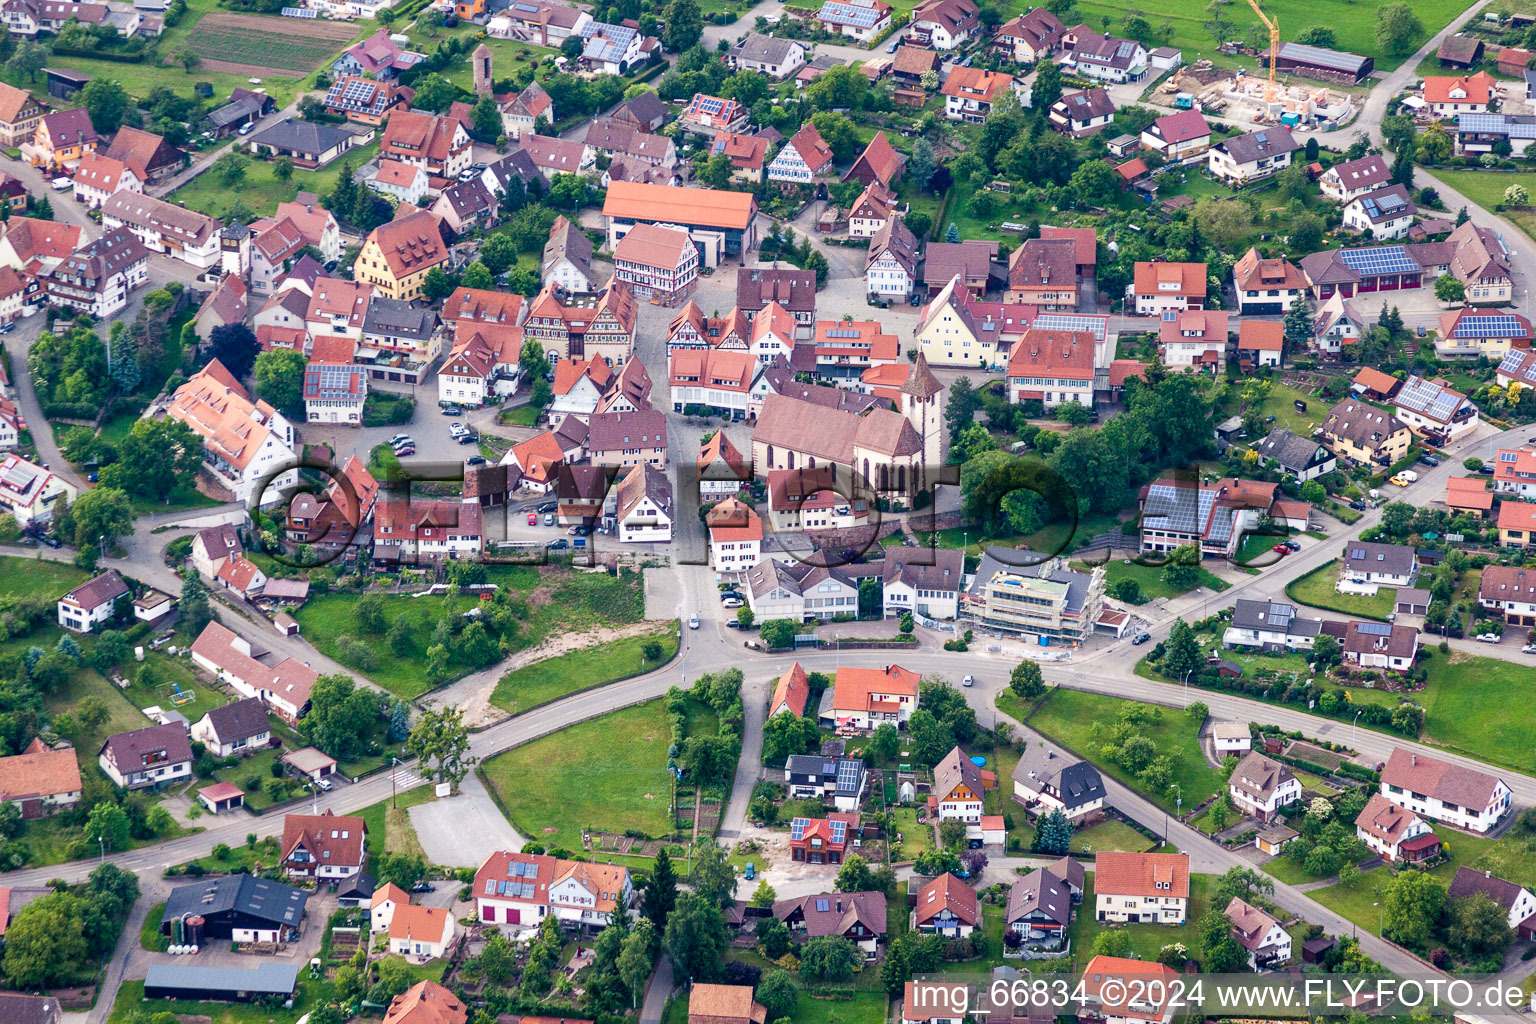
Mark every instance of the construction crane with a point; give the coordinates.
(1274, 48)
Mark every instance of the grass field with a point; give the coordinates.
(260, 191)
(580, 778)
(1316, 589)
(1486, 189)
(1071, 718)
(915, 838)
(556, 600)
(1051, 538)
(1467, 708)
(389, 824)
(1150, 578)
(174, 670)
(548, 680)
(1110, 834)
(131, 1006)
(28, 577)
(1353, 22)
(270, 42)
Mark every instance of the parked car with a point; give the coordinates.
(1357, 505)
(7, 327)
(405, 451)
(324, 784)
(247, 128)
(475, 460)
(726, 595)
(968, 681)
(549, 506)
(1487, 638)
(400, 438)
(693, 621)
(468, 437)
(582, 531)
(533, 519)
(423, 887)
(1140, 638)
(455, 428)
(50, 542)
(1528, 649)
(731, 602)
(559, 545)
(549, 519)
(62, 184)
(1485, 469)
(1292, 545)
(1281, 549)
(452, 409)
(1429, 460)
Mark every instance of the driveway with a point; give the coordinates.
(463, 830)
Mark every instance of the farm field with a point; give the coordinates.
(266, 45)
(579, 778)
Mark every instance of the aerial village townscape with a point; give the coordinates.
(720, 512)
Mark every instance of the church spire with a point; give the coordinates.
(921, 382)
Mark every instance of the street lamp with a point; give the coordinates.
(1354, 727)
(103, 843)
(1186, 686)
(394, 781)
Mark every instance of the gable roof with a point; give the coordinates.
(1040, 891)
(1142, 874)
(793, 689)
(1447, 782)
(725, 1002)
(1468, 883)
(426, 1002)
(948, 893)
(952, 772)
(99, 590)
(154, 744)
(836, 913)
(39, 772)
(879, 158)
(1259, 776)
(239, 720)
(329, 838)
(1384, 820)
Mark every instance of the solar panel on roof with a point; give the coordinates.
(1488, 327)
(797, 828)
(1389, 259)
(823, 904)
(842, 332)
(839, 832)
(1373, 628)
(848, 774)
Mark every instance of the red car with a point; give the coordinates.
(533, 519)
(1281, 548)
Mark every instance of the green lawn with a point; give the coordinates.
(506, 54)
(855, 1008)
(1147, 939)
(1316, 589)
(1110, 834)
(1150, 578)
(264, 854)
(257, 768)
(520, 416)
(1486, 189)
(389, 824)
(173, 671)
(580, 778)
(915, 838)
(260, 191)
(538, 684)
(149, 934)
(554, 601)
(1353, 22)
(1467, 708)
(1074, 719)
(28, 577)
(1053, 537)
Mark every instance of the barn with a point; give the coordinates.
(241, 908)
(220, 984)
(1326, 65)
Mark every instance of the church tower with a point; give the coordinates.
(235, 249)
(922, 403)
(481, 59)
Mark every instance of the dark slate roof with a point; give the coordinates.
(129, 748)
(1078, 781)
(358, 886)
(1040, 890)
(1291, 451)
(1469, 883)
(1259, 145)
(1366, 556)
(243, 894)
(240, 720)
(302, 137)
(397, 319)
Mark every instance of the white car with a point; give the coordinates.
(693, 621)
(324, 784)
(1528, 649)
(1487, 638)
(731, 602)
(401, 439)
(62, 184)
(968, 681)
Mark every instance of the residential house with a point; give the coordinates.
(25, 241)
(928, 584)
(644, 505)
(308, 144)
(386, 899)
(863, 20)
(156, 755)
(1481, 264)
(1268, 626)
(823, 840)
(162, 227)
(335, 387)
(567, 259)
(98, 278)
(1039, 911)
(735, 537)
(871, 211)
(711, 378)
(1490, 333)
(405, 183)
(610, 49)
(1082, 112)
(862, 698)
(624, 439)
(1179, 135)
(578, 388)
(1337, 326)
(1448, 97)
(945, 24)
(1517, 524)
(775, 57)
(890, 266)
(1018, 592)
(520, 114)
(61, 139)
(1253, 156)
(40, 780)
(436, 142)
(378, 56)
(1259, 786)
(1030, 37)
(1052, 367)
(957, 789)
(93, 602)
(801, 160)
(227, 304)
(1385, 212)
(1514, 472)
(98, 176)
(722, 470)
(283, 687)
(970, 92)
(1168, 287)
(411, 532)
(396, 257)
(1395, 833)
(1045, 781)
(398, 341)
(1434, 410)
(523, 888)
(620, 141)
(859, 917)
(421, 931)
(1443, 791)
(19, 116)
(426, 1002)
(724, 1004)
(947, 906)
(464, 206)
(239, 727)
(1344, 181)
(1266, 285)
(973, 262)
(1469, 495)
(364, 100)
(842, 780)
(1103, 57)
(28, 491)
(1359, 432)
(846, 348)
(1260, 343)
(748, 155)
(1194, 338)
(1149, 888)
(1214, 516)
(1302, 458)
(1043, 272)
(325, 847)
(1231, 737)
(794, 290)
(1368, 566)
(657, 263)
(1511, 591)
(790, 694)
(1266, 942)
(935, 1003)
(1517, 902)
